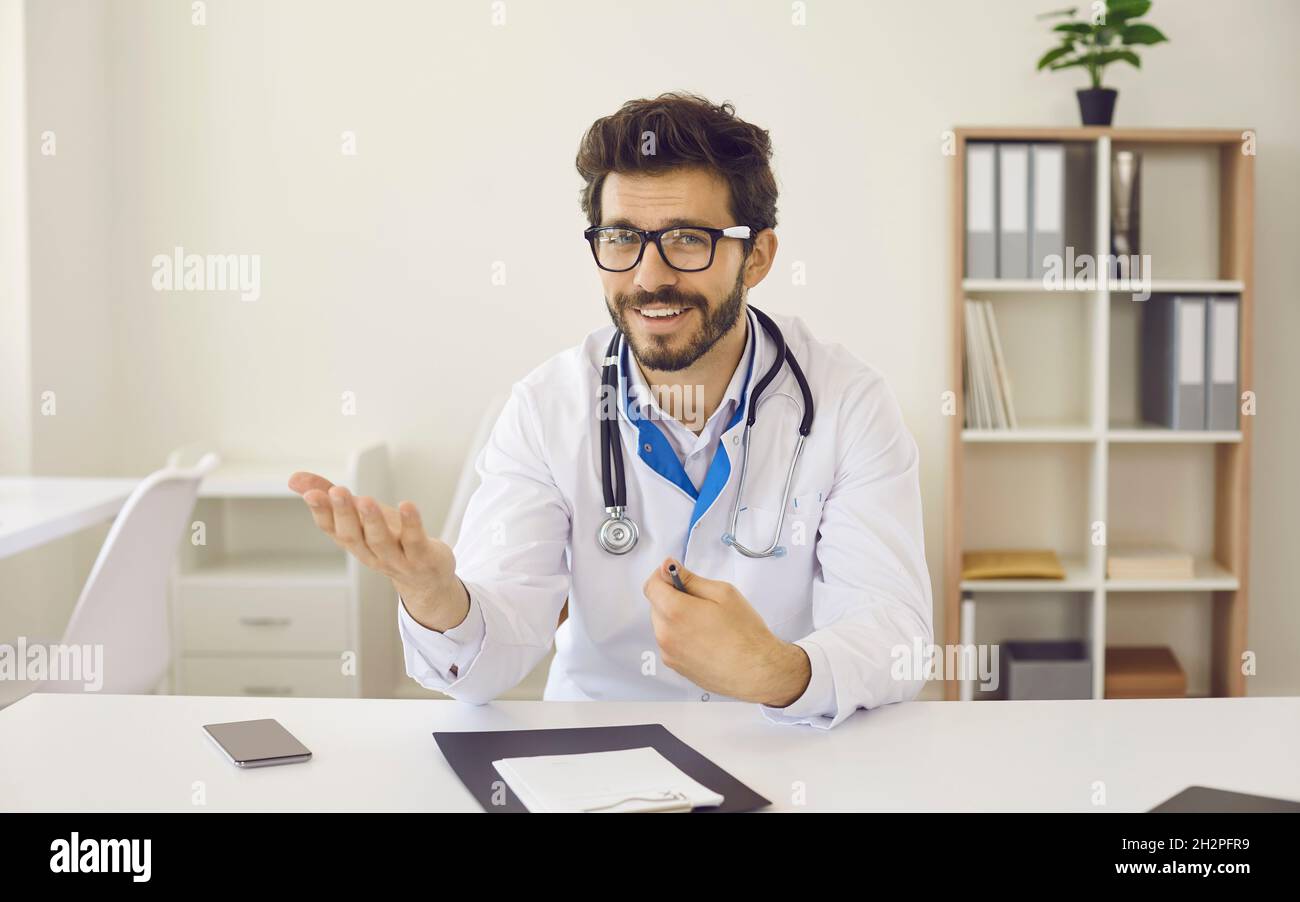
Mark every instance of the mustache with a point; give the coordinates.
(660, 297)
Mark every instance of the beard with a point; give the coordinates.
(672, 353)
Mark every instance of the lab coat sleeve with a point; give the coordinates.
(872, 597)
(431, 655)
(511, 557)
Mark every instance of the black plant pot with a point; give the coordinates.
(1097, 105)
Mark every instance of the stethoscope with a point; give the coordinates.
(619, 533)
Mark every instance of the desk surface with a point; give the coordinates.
(118, 752)
(39, 509)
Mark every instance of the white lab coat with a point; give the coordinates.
(852, 588)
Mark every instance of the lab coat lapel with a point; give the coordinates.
(718, 480)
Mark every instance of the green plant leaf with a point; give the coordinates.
(1118, 56)
(1122, 10)
(1081, 61)
(1054, 54)
(1140, 33)
(1074, 28)
(1058, 12)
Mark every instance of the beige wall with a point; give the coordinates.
(15, 330)
(376, 269)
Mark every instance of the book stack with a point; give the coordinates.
(1148, 563)
(1140, 672)
(987, 382)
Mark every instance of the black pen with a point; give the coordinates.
(677, 580)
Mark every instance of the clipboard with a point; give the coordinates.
(471, 753)
(1205, 800)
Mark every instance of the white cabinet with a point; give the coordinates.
(264, 604)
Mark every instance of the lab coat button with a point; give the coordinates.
(647, 447)
(704, 697)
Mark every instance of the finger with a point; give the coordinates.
(415, 541)
(302, 482)
(379, 538)
(347, 527)
(696, 585)
(319, 504)
(392, 518)
(664, 600)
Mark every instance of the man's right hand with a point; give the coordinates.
(391, 541)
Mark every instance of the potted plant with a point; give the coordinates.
(1107, 37)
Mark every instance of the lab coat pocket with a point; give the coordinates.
(756, 524)
(779, 587)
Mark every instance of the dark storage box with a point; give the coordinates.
(1038, 670)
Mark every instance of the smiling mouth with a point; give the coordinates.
(661, 313)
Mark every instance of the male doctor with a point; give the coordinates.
(810, 633)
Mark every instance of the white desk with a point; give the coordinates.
(39, 509)
(118, 753)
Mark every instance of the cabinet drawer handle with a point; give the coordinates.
(268, 690)
(265, 621)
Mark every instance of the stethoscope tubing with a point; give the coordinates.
(618, 534)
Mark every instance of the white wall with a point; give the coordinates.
(15, 329)
(58, 407)
(376, 268)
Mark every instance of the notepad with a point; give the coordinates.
(628, 780)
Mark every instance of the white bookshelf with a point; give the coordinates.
(1114, 286)
(1077, 458)
(1040, 433)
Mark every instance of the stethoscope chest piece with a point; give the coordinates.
(618, 534)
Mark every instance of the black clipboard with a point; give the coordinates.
(1204, 800)
(471, 754)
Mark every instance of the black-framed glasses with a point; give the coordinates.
(684, 248)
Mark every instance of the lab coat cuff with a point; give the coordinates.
(430, 655)
(501, 660)
(817, 704)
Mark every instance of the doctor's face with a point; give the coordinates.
(641, 300)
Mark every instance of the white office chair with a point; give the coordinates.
(468, 481)
(123, 606)
(465, 487)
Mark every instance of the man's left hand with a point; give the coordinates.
(712, 635)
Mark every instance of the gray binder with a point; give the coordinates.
(1173, 361)
(1060, 204)
(1013, 211)
(1046, 206)
(1221, 364)
(981, 212)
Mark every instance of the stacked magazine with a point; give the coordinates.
(988, 385)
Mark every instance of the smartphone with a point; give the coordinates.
(257, 743)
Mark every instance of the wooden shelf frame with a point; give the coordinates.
(1226, 577)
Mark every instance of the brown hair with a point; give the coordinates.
(688, 130)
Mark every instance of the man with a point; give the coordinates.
(808, 632)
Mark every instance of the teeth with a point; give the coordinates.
(660, 313)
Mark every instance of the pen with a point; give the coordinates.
(677, 580)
